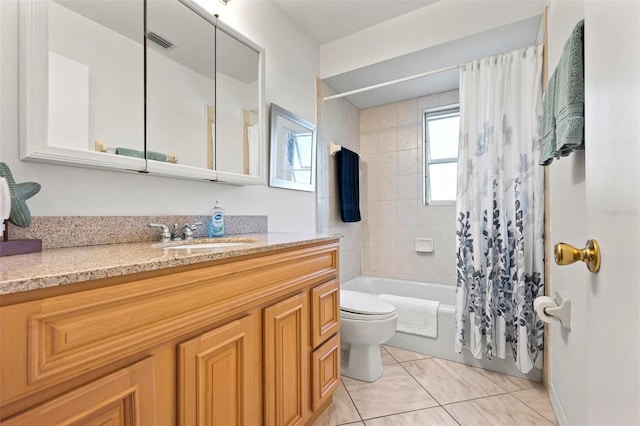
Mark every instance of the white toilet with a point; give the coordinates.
(365, 323)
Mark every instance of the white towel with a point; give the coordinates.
(415, 316)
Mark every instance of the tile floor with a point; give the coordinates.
(419, 390)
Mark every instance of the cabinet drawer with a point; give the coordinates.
(126, 397)
(325, 311)
(325, 371)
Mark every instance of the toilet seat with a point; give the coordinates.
(364, 307)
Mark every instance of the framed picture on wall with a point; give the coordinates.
(293, 151)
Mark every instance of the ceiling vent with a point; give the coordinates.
(160, 41)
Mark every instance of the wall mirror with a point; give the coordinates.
(82, 83)
(85, 64)
(293, 151)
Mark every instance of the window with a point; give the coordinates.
(441, 132)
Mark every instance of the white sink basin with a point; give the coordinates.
(205, 243)
(204, 246)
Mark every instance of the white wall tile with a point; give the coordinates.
(338, 121)
(373, 212)
(408, 136)
(408, 162)
(406, 111)
(387, 236)
(368, 119)
(387, 262)
(387, 214)
(368, 143)
(387, 140)
(393, 213)
(387, 116)
(388, 164)
(407, 187)
(369, 165)
(388, 188)
(407, 212)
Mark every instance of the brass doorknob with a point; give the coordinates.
(566, 254)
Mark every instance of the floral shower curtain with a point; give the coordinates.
(500, 208)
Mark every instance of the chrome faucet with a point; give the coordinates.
(165, 235)
(187, 231)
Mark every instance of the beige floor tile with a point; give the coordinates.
(538, 399)
(495, 410)
(436, 416)
(508, 383)
(342, 410)
(395, 392)
(386, 356)
(403, 355)
(449, 381)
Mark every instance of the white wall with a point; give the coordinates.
(568, 381)
(437, 23)
(292, 64)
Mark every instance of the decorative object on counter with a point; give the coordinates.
(348, 184)
(18, 212)
(293, 151)
(5, 206)
(217, 226)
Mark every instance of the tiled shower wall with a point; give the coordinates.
(338, 121)
(391, 196)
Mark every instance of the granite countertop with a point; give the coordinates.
(57, 267)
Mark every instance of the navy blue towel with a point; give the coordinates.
(349, 185)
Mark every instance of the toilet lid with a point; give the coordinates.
(364, 303)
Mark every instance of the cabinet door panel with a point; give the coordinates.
(325, 374)
(126, 397)
(325, 311)
(286, 361)
(216, 384)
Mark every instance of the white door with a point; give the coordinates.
(595, 366)
(612, 188)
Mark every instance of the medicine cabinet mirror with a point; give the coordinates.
(85, 64)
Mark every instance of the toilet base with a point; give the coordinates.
(361, 362)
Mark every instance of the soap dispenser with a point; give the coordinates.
(216, 226)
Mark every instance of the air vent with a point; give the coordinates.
(160, 41)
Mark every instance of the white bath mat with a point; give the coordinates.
(415, 316)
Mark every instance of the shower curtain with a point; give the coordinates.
(500, 208)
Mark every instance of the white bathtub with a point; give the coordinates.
(442, 346)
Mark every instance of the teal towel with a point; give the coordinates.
(563, 117)
(151, 155)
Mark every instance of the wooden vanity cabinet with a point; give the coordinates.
(227, 342)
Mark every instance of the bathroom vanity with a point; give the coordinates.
(248, 335)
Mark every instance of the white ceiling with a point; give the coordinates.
(328, 20)
(499, 40)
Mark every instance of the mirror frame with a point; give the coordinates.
(280, 115)
(33, 109)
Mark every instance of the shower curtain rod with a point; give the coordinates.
(388, 83)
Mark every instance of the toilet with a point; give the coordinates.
(365, 323)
